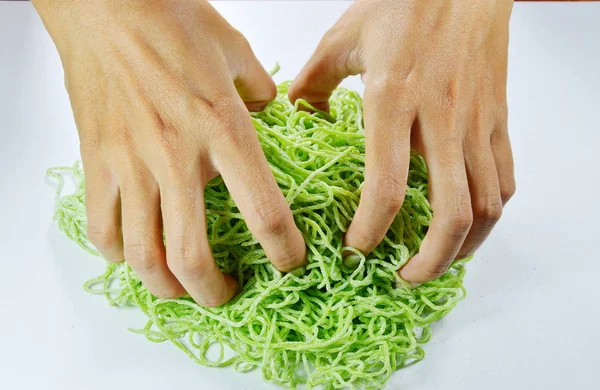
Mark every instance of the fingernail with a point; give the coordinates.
(405, 279)
(352, 261)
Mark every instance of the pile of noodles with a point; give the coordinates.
(336, 325)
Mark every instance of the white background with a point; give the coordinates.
(530, 320)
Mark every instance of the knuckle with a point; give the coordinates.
(389, 192)
(216, 108)
(333, 53)
(332, 37)
(270, 220)
(502, 114)
(272, 90)
(449, 138)
(178, 160)
(187, 261)
(395, 86)
(333, 34)
(132, 172)
(172, 136)
(368, 239)
(450, 97)
(143, 258)
(170, 141)
(239, 39)
(290, 259)
(459, 222)
(489, 211)
(436, 270)
(222, 129)
(222, 136)
(103, 237)
(507, 191)
(480, 119)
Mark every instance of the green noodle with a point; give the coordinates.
(333, 326)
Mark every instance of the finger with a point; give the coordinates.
(103, 211)
(503, 158)
(449, 195)
(188, 251)
(389, 116)
(142, 234)
(253, 83)
(333, 60)
(485, 193)
(244, 168)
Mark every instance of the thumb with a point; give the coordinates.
(253, 83)
(335, 58)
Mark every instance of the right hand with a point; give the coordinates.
(435, 82)
(160, 91)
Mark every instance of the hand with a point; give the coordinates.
(153, 90)
(435, 80)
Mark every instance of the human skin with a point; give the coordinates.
(161, 90)
(435, 81)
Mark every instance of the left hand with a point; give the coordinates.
(435, 80)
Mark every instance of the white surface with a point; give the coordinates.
(530, 320)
